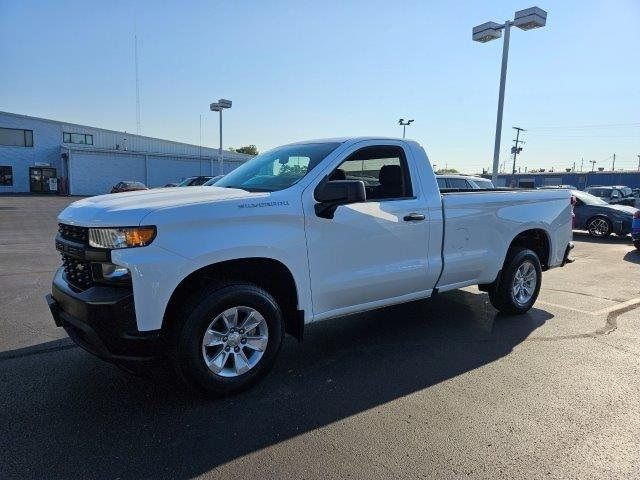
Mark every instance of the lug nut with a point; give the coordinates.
(226, 349)
(224, 339)
(244, 340)
(236, 349)
(242, 330)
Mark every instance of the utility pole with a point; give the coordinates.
(593, 165)
(613, 165)
(639, 162)
(574, 166)
(581, 163)
(516, 150)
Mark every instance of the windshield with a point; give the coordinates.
(277, 169)
(186, 182)
(626, 192)
(483, 184)
(587, 198)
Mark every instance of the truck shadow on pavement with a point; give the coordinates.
(65, 414)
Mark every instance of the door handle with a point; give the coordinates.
(413, 217)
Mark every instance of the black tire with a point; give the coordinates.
(636, 244)
(198, 313)
(501, 293)
(599, 227)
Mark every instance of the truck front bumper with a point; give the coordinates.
(102, 321)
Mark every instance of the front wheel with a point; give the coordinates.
(229, 340)
(517, 289)
(599, 227)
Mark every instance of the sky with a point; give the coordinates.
(299, 70)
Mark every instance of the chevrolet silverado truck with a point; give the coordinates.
(210, 278)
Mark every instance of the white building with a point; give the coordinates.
(89, 161)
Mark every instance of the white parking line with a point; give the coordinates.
(604, 311)
(619, 306)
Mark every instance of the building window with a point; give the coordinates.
(16, 137)
(6, 176)
(79, 138)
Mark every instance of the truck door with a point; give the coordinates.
(371, 252)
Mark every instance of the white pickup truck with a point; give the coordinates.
(211, 278)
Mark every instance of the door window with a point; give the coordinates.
(383, 169)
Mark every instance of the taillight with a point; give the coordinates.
(637, 214)
(573, 200)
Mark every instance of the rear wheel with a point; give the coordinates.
(229, 340)
(599, 227)
(517, 289)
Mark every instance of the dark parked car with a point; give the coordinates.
(194, 181)
(599, 218)
(615, 195)
(213, 180)
(129, 186)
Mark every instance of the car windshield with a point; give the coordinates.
(587, 198)
(212, 180)
(483, 184)
(277, 169)
(186, 182)
(626, 192)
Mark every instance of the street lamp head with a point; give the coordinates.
(486, 32)
(530, 18)
(401, 121)
(409, 122)
(220, 105)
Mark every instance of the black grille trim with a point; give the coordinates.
(77, 272)
(73, 233)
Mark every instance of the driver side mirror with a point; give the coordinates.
(334, 193)
(615, 195)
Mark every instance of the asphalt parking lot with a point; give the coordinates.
(444, 388)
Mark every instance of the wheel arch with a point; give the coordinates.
(535, 239)
(267, 273)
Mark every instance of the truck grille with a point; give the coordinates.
(77, 272)
(73, 233)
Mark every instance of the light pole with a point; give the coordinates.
(527, 19)
(218, 107)
(404, 124)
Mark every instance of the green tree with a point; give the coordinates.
(442, 171)
(248, 149)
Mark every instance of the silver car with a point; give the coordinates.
(464, 182)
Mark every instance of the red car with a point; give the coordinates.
(128, 186)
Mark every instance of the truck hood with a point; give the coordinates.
(129, 208)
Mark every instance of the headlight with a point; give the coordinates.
(126, 237)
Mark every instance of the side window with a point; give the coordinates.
(458, 183)
(442, 183)
(383, 169)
